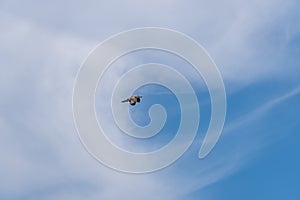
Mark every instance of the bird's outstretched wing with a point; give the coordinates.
(126, 100)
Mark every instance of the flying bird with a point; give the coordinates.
(132, 100)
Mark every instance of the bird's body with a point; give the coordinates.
(132, 100)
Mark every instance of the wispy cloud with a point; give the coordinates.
(41, 154)
(260, 111)
(238, 146)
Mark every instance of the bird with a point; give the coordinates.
(132, 100)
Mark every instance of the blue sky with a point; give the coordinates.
(256, 46)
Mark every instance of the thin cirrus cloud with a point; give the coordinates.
(42, 156)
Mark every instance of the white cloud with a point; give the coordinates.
(39, 145)
(261, 110)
